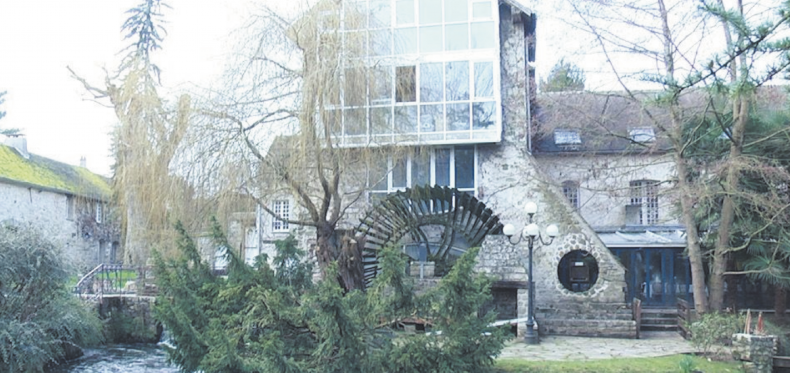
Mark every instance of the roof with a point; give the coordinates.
(645, 238)
(48, 174)
(593, 122)
(611, 122)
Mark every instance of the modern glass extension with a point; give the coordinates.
(659, 276)
(434, 73)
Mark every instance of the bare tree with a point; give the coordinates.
(673, 47)
(151, 185)
(293, 115)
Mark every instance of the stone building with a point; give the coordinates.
(68, 203)
(465, 103)
(617, 172)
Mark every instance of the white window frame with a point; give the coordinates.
(642, 135)
(571, 191)
(409, 159)
(99, 212)
(645, 194)
(471, 56)
(281, 209)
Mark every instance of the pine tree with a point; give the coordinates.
(274, 318)
(564, 76)
(7, 131)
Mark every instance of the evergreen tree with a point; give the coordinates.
(564, 76)
(274, 318)
(6, 131)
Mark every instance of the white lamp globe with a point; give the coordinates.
(552, 230)
(531, 207)
(531, 230)
(509, 230)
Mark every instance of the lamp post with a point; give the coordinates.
(530, 233)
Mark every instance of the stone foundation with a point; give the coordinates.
(757, 350)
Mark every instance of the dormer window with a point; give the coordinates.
(642, 135)
(567, 138)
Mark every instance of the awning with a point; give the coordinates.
(614, 239)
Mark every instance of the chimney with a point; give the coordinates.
(19, 143)
(83, 162)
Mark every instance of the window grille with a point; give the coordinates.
(282, 213)
(644, 193)
(571, 191)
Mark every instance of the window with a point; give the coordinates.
(644, 196)
(406, 84)
(435, 97)
(99, 212)
(567, 137)
(642, 135)
(453, 167)
(70, 207)
(282, 214)
(571, 191)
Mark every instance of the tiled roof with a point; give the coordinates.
(51, 175)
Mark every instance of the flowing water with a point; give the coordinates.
(135, 358)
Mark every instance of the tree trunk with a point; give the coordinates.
(731, 183)
(692, 237)
(344, 251)
(780, 301)
(731, 298)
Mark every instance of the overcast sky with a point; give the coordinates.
(39, 38)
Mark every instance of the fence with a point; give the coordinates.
(113, 279)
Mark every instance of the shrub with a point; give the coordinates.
(40, 321)
(714, 330)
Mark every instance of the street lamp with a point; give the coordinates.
(530, 233)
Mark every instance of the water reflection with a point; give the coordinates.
(138, 358)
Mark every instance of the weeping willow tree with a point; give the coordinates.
(295, 113)
(151, 187)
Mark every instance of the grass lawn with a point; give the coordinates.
(125, 275)
(648, 365)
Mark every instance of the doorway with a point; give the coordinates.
(657, 276)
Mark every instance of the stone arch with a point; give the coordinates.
(441, 218)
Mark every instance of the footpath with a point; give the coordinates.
(553, 348)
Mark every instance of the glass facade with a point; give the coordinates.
(451, 166)
(435, 73)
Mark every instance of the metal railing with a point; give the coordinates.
(114, 279)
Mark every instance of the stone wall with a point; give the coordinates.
(757, 350)
(604, 184)
(49, 212)
(129, 319)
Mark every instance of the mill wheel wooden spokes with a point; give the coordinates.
(440, 222)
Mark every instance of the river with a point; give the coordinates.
(135, 358)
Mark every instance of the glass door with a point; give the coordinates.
(657, 276)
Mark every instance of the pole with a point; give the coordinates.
(530, 337)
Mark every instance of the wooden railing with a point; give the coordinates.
(113, 279)
(686, 315)
(636, 309)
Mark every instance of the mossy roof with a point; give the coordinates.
(45, 173)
